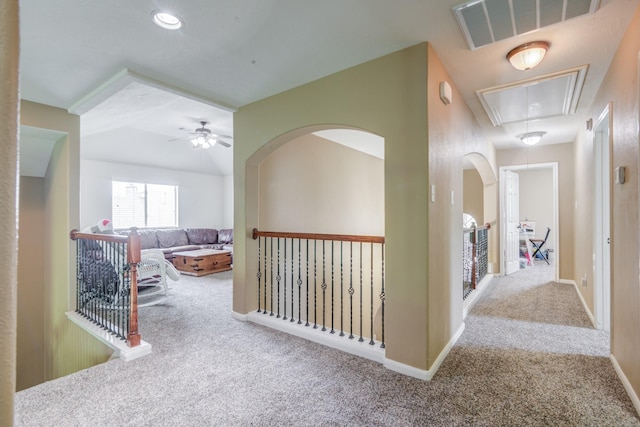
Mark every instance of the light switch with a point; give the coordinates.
(452, 197)
(433, 193)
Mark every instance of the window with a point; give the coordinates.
(144, 205)
(467, 220)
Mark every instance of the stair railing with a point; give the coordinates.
(106, 282)
(331, 282)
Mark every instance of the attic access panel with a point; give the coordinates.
(551, 95)
(486, 21)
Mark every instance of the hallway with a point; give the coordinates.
(528, 356)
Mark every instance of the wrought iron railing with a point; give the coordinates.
(330, 282)
(106, 278)
(474, 257)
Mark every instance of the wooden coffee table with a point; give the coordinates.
(201, 262)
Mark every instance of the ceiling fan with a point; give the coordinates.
(204, 138)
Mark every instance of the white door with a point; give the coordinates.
(602, 232)
(512, 222)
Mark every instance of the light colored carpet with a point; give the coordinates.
(528, 356)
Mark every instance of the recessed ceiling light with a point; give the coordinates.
(166, 20)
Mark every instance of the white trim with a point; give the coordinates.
(407, 370)
(584, 303)
(126, 76)
(352, 346)
(239, 316)
(625, 382)
(420, 373)
(120, 347)
(473, 297)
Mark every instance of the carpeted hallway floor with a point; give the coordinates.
(528, 356)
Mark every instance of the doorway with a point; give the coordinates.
(550, 187)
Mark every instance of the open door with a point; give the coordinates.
(512, 222)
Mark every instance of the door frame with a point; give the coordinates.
(601, 225)
(555, 230)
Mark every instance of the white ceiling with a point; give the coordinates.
(233, 53)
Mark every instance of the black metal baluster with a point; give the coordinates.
(361, 337)
(127, 299)
(285, 279)
(271, 285)
(332, 287)
(78, 273)
(307, 293)
(126, 285)
(382, 297)
(259, 274)
(315, 285)
(341, 291)
(371, 342)
(351, 290)
(292, 294)
(299, 281)
(278, 280)
(324, 288)
(265, 275)
(123, 268)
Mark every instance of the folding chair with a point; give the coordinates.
(537, 246)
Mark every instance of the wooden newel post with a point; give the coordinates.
(133, 258)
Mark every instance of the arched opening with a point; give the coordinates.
(326, 187)
(479, 214)
(320, 185)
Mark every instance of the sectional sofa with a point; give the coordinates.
(170, 240)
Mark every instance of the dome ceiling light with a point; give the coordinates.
(531, 138)
(166, 20)
(528, 55)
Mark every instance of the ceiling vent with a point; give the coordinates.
(486, 21)
(546, 96)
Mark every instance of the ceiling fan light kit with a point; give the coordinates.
(528, 55)
(203, 138)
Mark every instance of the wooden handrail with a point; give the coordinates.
(75, 234)
(318, 236)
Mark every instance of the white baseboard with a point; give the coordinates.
(471, 300)
(407, 370)
(584, 303)
(343, 343)
(352, 346)
(239, 316)
(120, 347)
(625, 382)
(425, 375)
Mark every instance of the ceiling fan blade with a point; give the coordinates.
(178, 139)
(223, 143)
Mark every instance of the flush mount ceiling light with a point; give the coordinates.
(528, 55)
(166, 20)
(531, 138)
